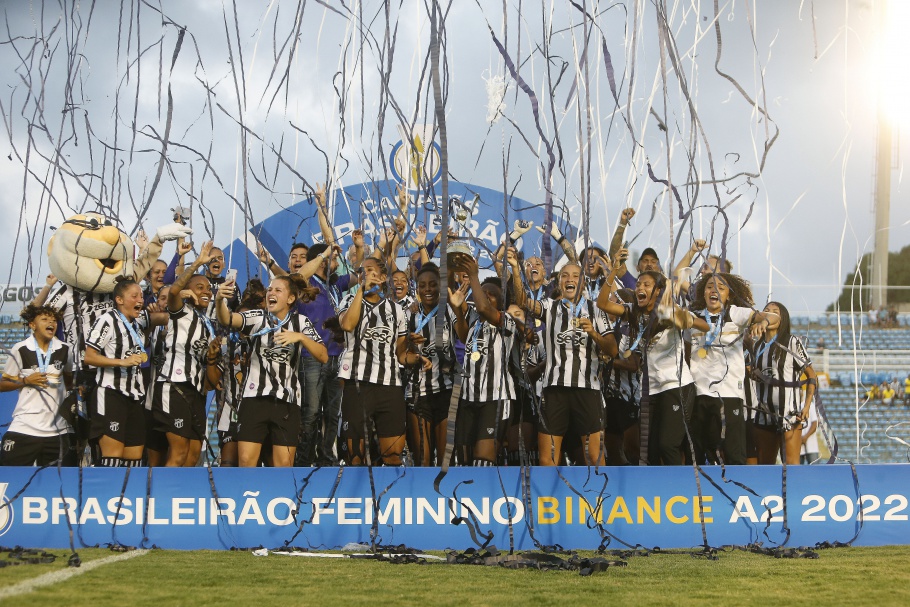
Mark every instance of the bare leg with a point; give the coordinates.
(550, 448)
(248, 454)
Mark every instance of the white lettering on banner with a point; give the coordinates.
(64, 507)
(182, 506)
(34, 510)
(222, 506)
(251, 511)
(273, 506)
(124, 516)
(438, 515)
(348, 506)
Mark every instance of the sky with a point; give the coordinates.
(268, 98)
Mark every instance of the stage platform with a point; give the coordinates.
(667, 507)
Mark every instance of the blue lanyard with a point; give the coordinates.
(575, 310)
(713, 330)
(44, 358)
(764, 348)
(423, 319)
(374, 289)
(477, 328)
(537, 295)
(329, 289)
(208, 323)
(641, 332)
(268, 329)
(132, 329)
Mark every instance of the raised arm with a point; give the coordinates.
(229, 319)
(41, 297)
(485, 308)
(323, 214)
(174, 296)
(567, 246)
(619, 235)
(697, 245)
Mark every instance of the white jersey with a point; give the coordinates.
(113, 338)
(186, 344)
(572, 356)
(36, 408)
(488, 378)
(271, 368)
(722, 372)
(667, 366)
(369, 350)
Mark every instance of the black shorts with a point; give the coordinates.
(123, 419)
(621, 415)
(432, 407)
(481, 421)
(363, 403)
(17, 449)
(262, 418)
(179, 409)
(155, 440)
(564, 410)
(523, 410)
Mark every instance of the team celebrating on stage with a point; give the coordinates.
(345, 358)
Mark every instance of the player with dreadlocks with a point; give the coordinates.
(718, 425)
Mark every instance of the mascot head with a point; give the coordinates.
(89, 252)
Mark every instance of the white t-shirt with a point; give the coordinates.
(722, 372)
(667, 367)
(36, 409)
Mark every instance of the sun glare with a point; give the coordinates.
(894, 79)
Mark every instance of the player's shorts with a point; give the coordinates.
(118, 416)
(479, 421)
(432, 407)
(179, 409)
(564, 410)
(17, 449)
(523, 410)
(365, 405)
(621, 415)
(262, 418)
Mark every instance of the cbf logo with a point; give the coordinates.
(415, 159)
(6, 510)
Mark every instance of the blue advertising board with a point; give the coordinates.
(573, 507)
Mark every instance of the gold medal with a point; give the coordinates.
(143, 357)
(475, 356)
(702, 353)
(537, 322)
(627, 354)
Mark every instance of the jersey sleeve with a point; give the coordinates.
(741, 317)
(253, 320)
(546, 310)
(601, 323)
(796, 345)
(144, 321)
(101, 334)
(13, 364)
(307, 328)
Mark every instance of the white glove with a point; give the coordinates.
(172, 231)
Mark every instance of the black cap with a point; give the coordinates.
(651, 252)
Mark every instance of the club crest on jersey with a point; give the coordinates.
(571, 336)
(9, 445)
(381, 333)
(115, 426)
(278, 354)
(178, 423)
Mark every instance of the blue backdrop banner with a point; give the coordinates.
(223, 508)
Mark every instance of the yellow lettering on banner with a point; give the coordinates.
(620, 510)
(676, 499)
(584, 509)
(653, 512)
(568, 510)
(547, 510)
(696, 517)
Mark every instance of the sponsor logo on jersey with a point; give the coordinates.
(573, 336)
(381, 333)
(278, 354)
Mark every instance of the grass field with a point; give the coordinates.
(855, 576)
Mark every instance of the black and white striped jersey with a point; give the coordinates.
(369, 351)
(406, 302)
(621, 383)
(272, 368)
(487, 352)
(36, 407)
(92, 305)
(112, 338)
(780, 363)
(186, 344)
(572, 356)
(432, 381)
(231, 363)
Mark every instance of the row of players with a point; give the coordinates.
(588, 363)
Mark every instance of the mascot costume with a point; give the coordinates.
(88, 255)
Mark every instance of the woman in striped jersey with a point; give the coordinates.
(488, 391)
(375, 333)
(272, 389)
(778, 362)
(718, 367)
(430, 390)
(574, 334)
(115, 346)
(189, 368)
